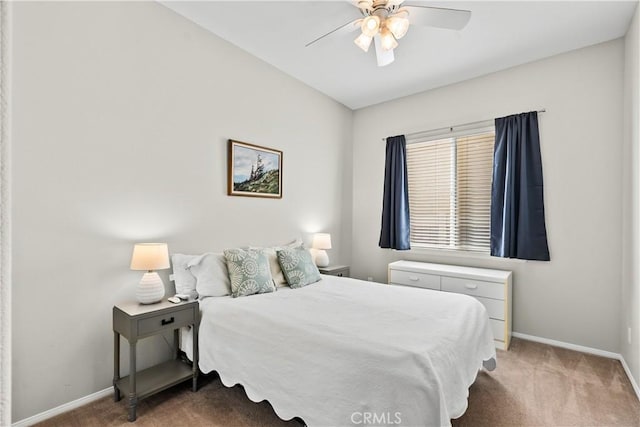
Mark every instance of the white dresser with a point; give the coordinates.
(491, 287)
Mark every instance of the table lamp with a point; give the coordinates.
(150, 257)
(321, 241)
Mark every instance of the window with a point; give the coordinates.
(450, 189)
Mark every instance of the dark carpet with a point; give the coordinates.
(533, 385)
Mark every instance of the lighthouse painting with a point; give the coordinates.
(254, 171)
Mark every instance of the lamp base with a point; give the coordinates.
(150, 289)
(322, 259)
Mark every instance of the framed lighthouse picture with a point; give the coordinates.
(254, 171)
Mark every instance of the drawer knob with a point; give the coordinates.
(168, 322)
(414, 278)
(471, 286)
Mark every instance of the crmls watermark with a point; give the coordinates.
(376, 418)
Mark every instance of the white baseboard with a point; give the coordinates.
(584, 349)
(63, 408)
(569, 346)
(634, 384)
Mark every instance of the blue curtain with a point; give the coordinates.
(517, 204)
(395, 206)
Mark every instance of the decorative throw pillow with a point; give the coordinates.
(249, 272)
(210, 271)
(298, 267)
(272, 255)
(183, 279)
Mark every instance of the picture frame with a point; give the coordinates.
(254, 171)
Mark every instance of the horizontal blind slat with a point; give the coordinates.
(450, 191)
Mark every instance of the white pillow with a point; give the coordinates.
(274, 265)
(212, 276)
(184, 281)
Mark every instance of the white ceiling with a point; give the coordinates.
(499, 35)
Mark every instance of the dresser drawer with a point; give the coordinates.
(171, 320)
(497, 327)
(476, 288)
(418, 280)
(494, 307)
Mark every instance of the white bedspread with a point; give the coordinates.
(337, 350)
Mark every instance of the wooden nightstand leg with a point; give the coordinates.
(133, 399)
(116, 366)
(176, 343)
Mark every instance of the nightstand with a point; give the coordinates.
(335, 270)
(135, 321)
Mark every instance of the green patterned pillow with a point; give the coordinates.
(249, 272)
(298, 267)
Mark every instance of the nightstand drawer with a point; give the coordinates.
(335, 270)
(476, 288)
(170, 320)
(418, 280)
(341, 273)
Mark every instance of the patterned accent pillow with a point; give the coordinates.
(249, 272)
(272, 254)
(298, 267)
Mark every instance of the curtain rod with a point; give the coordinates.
(450, 128)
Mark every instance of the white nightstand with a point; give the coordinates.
(135, 321)
(335, 270)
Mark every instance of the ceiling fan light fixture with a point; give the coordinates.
(370, 25)
(398, 24)
(387, 40)
(363, 41)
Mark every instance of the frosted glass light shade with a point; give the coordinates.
(150, 256)
(321, 241)
(388, 42)
(398, 23)
(363, 42)
(370, 25)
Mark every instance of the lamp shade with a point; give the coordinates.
(150, 256)
(321, 241)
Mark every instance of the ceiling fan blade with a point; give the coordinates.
(343, 29)
(384, 57)
(451, 19)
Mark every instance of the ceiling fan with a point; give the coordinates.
(384, 22)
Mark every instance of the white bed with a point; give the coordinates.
(341, 350)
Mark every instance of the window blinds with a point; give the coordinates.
(450, 190)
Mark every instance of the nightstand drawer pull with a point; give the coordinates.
(180, 315)
(168, 322)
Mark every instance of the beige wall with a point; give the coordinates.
(121, 116)
(5, 214)
(576, 297)
(631, 206)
